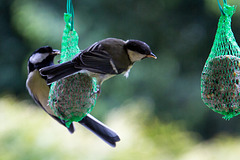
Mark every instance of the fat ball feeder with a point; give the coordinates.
(72, 98)
(220, 78)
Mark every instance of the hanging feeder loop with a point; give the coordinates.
(220, 7)
(70, 10)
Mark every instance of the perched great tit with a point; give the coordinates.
(102, 60)
(39, 90)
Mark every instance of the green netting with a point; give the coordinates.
(73, 97)
(221, 73)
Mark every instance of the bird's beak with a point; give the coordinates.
(55, 52)
(151, 56)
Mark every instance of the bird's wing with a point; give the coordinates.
(94, 59)
(98, 61)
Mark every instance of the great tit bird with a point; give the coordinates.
(102, 60)
(39, 90)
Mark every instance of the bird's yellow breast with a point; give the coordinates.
(39, 89)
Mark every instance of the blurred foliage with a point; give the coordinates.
(180, 33)
(29, 133)
(222, 147)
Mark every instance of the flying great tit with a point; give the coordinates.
(102, 60)
(39, 91)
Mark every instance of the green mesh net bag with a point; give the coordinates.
(72, 98)
(220, 79)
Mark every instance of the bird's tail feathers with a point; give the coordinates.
(101, 130)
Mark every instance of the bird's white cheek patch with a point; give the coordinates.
(134, 56)
(38, 57)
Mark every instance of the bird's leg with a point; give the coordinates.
(98, 90)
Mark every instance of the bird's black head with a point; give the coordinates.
(138, 50)
(44, 49)
(42, 57)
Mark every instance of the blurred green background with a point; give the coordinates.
(157, 112)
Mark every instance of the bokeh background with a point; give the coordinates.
(157, 112)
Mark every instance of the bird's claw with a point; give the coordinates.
(98, 91)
